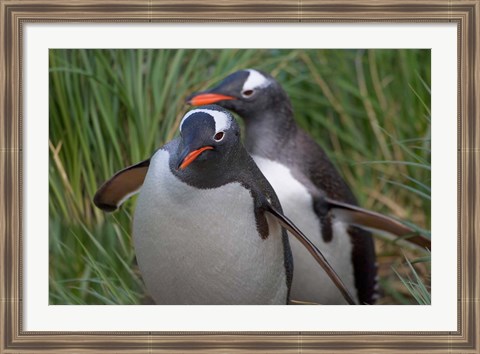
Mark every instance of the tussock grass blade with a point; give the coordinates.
(411, 189)
(415, 285)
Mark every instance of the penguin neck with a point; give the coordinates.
(270, 129)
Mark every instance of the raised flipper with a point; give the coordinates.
(121, 186)
(314, 251)
(363, 218)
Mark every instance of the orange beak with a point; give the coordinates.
(192, 156)
(208, 98)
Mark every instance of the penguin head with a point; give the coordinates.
(209, 139)
(244, 92)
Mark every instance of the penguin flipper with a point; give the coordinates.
(121, 186)
(314, 251)
(363, 218)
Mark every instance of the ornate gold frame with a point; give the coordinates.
(16, 13)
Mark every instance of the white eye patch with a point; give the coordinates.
(255, 80)
(222, 120)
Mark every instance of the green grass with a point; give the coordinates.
(414, 282)
(370, 110)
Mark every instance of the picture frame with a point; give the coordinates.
(16, 14)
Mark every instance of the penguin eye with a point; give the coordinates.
(247, 93)
(219, 136)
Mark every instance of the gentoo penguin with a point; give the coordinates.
(208, 226)
(303, 178)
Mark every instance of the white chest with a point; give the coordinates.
(310, 283)
(198, 246)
